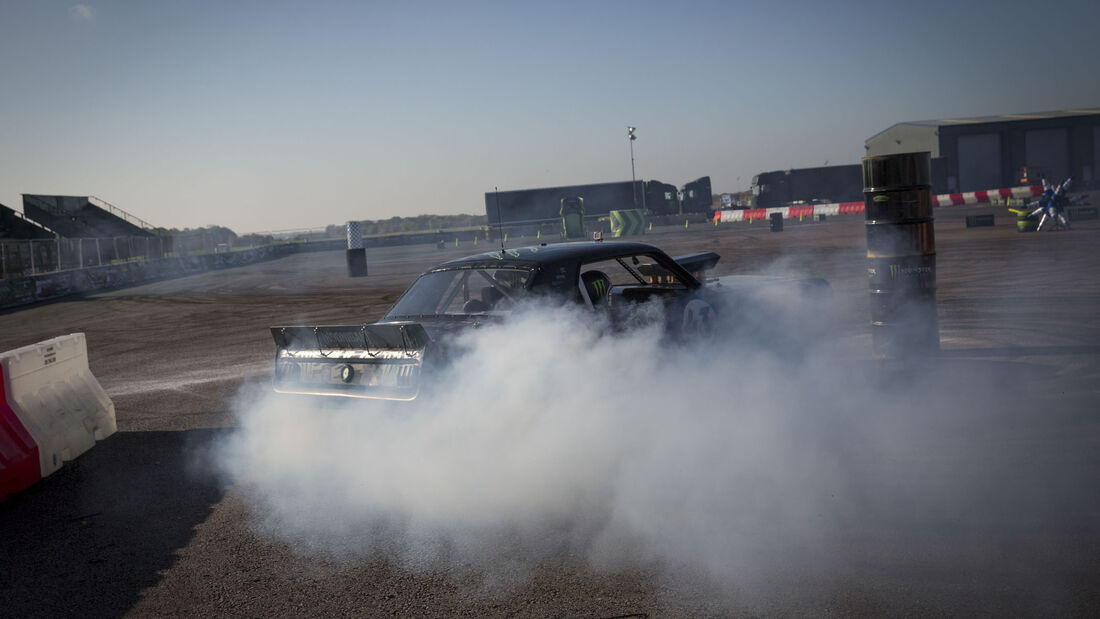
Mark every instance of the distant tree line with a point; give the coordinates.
(213, 235)
(419, 223)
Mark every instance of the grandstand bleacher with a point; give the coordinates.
(83, 217)
(13, 225)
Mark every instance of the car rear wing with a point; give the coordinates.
(698, 262)
(354, 361)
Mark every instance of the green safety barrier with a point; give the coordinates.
(627, 223)
(572, 217)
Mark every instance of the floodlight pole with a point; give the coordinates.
(633, 181)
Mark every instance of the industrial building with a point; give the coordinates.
(974, 154)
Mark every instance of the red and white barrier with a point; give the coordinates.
(53, 394)
(854, 208)
(19, 467)
(984, 197)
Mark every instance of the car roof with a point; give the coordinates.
(578, 251)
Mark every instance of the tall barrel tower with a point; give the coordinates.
(901, 255)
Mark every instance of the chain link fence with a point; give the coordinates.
(26, 257)
(36, 256)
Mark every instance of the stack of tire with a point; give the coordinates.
(1025, 223)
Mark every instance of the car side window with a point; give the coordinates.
(635, 271)
(485, 290)
(617, 272)
(462, 291)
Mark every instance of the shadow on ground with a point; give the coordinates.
(88, 539)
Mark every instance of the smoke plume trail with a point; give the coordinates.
(553, 436)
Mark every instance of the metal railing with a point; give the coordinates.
(121, 214)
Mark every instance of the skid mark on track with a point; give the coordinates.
(188, 381)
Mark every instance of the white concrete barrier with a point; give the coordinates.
(53, 392)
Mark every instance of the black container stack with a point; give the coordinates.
(901, 255)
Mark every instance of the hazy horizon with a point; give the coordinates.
(263, 116)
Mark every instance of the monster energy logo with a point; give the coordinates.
(600, 287)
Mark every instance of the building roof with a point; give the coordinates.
(976, 120)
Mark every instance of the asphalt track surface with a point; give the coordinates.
(141, 525)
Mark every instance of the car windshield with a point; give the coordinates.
(461, 292)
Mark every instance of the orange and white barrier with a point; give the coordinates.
(854, 208)
(59, 403)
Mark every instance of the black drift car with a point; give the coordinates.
(631, 283)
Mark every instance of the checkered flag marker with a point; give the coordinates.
(355, 236)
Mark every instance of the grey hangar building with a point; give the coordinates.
(990, 152)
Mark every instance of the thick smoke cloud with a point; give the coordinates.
(552, 436)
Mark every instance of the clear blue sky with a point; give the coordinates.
(276, 115)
